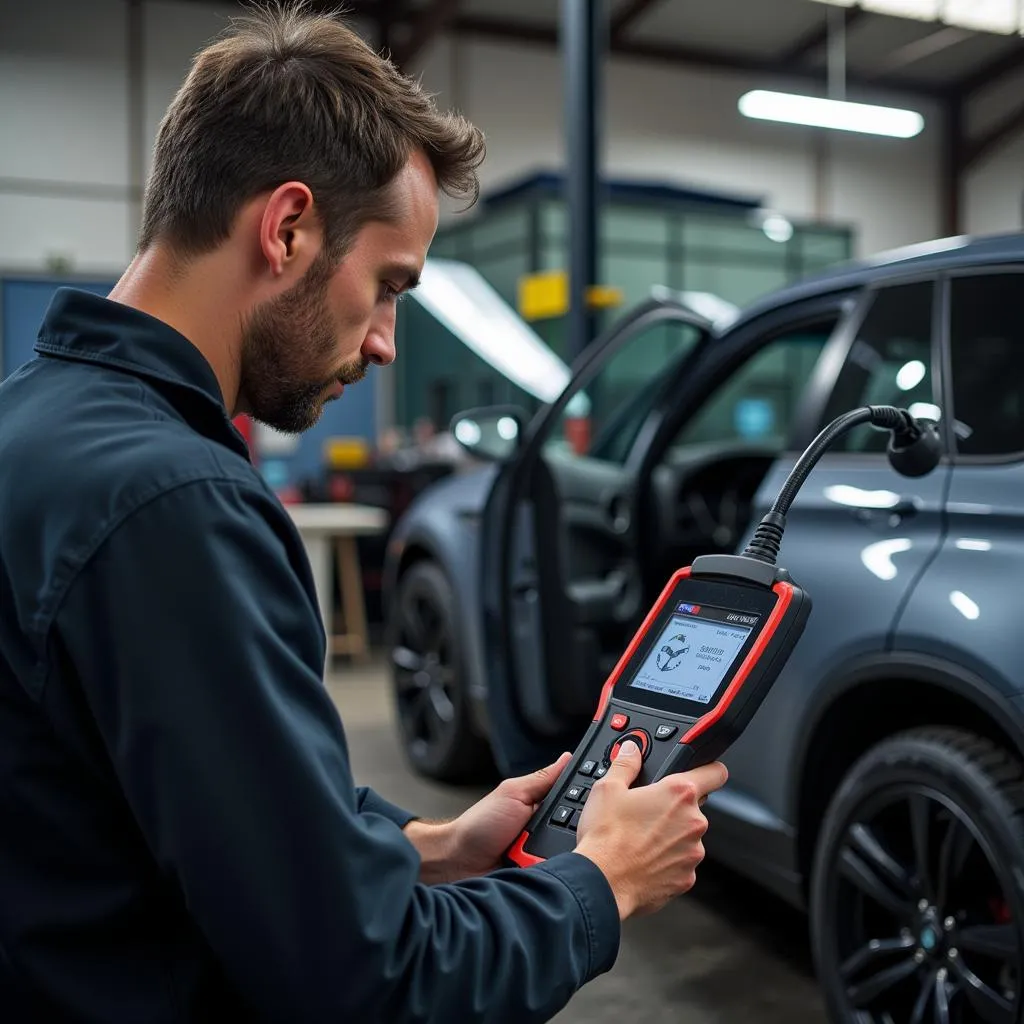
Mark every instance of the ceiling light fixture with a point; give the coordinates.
(921, 10)
(1003, 17)
(840, 115)
(834, 112)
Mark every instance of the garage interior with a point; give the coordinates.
(639, 151)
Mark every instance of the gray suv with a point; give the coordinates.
(880, 786)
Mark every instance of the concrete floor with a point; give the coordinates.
(724, 953)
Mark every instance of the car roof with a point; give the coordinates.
(956, 252)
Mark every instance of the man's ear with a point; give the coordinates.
(290, 231)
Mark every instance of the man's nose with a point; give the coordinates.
(379, 346)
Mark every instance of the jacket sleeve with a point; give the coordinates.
(193, 630)
(373, 803)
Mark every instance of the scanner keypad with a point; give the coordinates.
(569, 807)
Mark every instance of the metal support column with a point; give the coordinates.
(952, 167)
(583, 36)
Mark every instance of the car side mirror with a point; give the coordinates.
(492, 433)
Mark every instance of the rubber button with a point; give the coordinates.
(587, 768)
(665, 732)
(619, 722)
(562, 815)
(642, 740)
(574, 793)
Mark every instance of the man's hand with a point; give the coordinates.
(647, 841)
(473, 844)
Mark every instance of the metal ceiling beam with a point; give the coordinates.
(627, 14)
(541, 34)
(817, 37)
(927, 46)
(431, 20)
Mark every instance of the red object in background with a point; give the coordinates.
(341, 488)
(244, 426)
(577, 433)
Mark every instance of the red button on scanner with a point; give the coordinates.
(619, 722)
(642, 741)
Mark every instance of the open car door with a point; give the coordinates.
(561, 586)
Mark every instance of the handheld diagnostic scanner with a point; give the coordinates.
(707, 652)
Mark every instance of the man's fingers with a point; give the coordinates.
(709, 777)
(534, 787)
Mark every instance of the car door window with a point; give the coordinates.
(889, 363)
(602, 420)
(758, 402)
(986, 339)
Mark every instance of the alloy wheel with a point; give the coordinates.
(423, 671)
(922, 915)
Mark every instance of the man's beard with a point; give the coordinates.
(282, 339)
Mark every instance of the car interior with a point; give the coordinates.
(607, 536)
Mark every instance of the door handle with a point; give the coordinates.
(890, 515)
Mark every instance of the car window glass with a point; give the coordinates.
(889, 363)
(602, 420)
(987, 363)
(758, 402)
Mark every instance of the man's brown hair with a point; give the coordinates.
(286, 94)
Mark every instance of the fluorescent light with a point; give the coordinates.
(1000, 16)
(924, 10)
(823, 113)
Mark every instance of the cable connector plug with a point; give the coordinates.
(915, 446)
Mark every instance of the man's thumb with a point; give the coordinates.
(627, 761)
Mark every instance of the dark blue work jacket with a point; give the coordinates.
(180, 835)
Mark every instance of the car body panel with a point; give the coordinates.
(877, 561)
(882, 580)
(966, 608)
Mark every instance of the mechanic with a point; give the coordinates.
(181, 838)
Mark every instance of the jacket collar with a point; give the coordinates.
(85, 327)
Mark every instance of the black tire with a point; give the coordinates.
(428, 682)
(917, 894)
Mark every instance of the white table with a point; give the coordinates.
(328, 529)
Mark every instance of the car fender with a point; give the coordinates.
(443, 524)
(1002, 707)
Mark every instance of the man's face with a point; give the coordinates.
(300, 349)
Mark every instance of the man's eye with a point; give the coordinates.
(389, 294)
